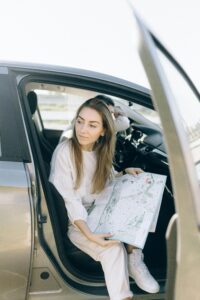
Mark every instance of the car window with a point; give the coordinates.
(188, 106)
(148, 113)
(58, 108)
(58, 105)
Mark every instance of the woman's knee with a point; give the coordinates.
(114, 252)
(118, 249)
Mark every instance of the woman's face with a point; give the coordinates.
(88, 128)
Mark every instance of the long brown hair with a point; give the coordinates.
(104, 147)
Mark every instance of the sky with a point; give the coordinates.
(176, 23)
(97, 34)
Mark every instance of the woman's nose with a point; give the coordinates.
(83, 128)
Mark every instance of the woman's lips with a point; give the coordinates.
(83, 137)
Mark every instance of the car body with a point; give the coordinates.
(37, 259)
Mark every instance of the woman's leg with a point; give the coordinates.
(114, 263)
(123, 191)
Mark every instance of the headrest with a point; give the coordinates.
(32, 99)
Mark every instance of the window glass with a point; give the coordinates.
(58, 108)
(188, 106)
(58, 105)
(145, 112)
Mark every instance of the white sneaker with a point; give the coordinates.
(139, 272)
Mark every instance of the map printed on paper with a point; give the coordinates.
(132, 210)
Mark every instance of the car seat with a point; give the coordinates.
(46, 148)
(79, 263)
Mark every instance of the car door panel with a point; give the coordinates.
(183, 174)
(16, 231)
(16, 220)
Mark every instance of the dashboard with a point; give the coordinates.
(141, 146)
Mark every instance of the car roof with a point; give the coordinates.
(16, 65)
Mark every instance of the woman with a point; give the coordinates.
(81, 170)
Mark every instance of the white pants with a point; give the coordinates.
(113, 260)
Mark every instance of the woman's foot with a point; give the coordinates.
(140, 273)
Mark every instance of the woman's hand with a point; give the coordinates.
(133, 171)
(101, 239)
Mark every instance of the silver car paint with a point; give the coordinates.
(16, 231)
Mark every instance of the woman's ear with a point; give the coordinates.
(103, 133)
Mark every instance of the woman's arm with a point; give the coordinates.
(100, 239)
(61, 176)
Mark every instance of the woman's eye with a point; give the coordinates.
(92, 126)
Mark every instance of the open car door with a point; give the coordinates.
(177, 102)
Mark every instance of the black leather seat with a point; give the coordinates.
(46, 148)
(85, 266)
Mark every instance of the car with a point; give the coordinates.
(37, 103)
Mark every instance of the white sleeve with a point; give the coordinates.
(121, 123)
(61, 177)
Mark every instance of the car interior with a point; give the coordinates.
(51, 110)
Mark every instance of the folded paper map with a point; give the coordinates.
(132, 209)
